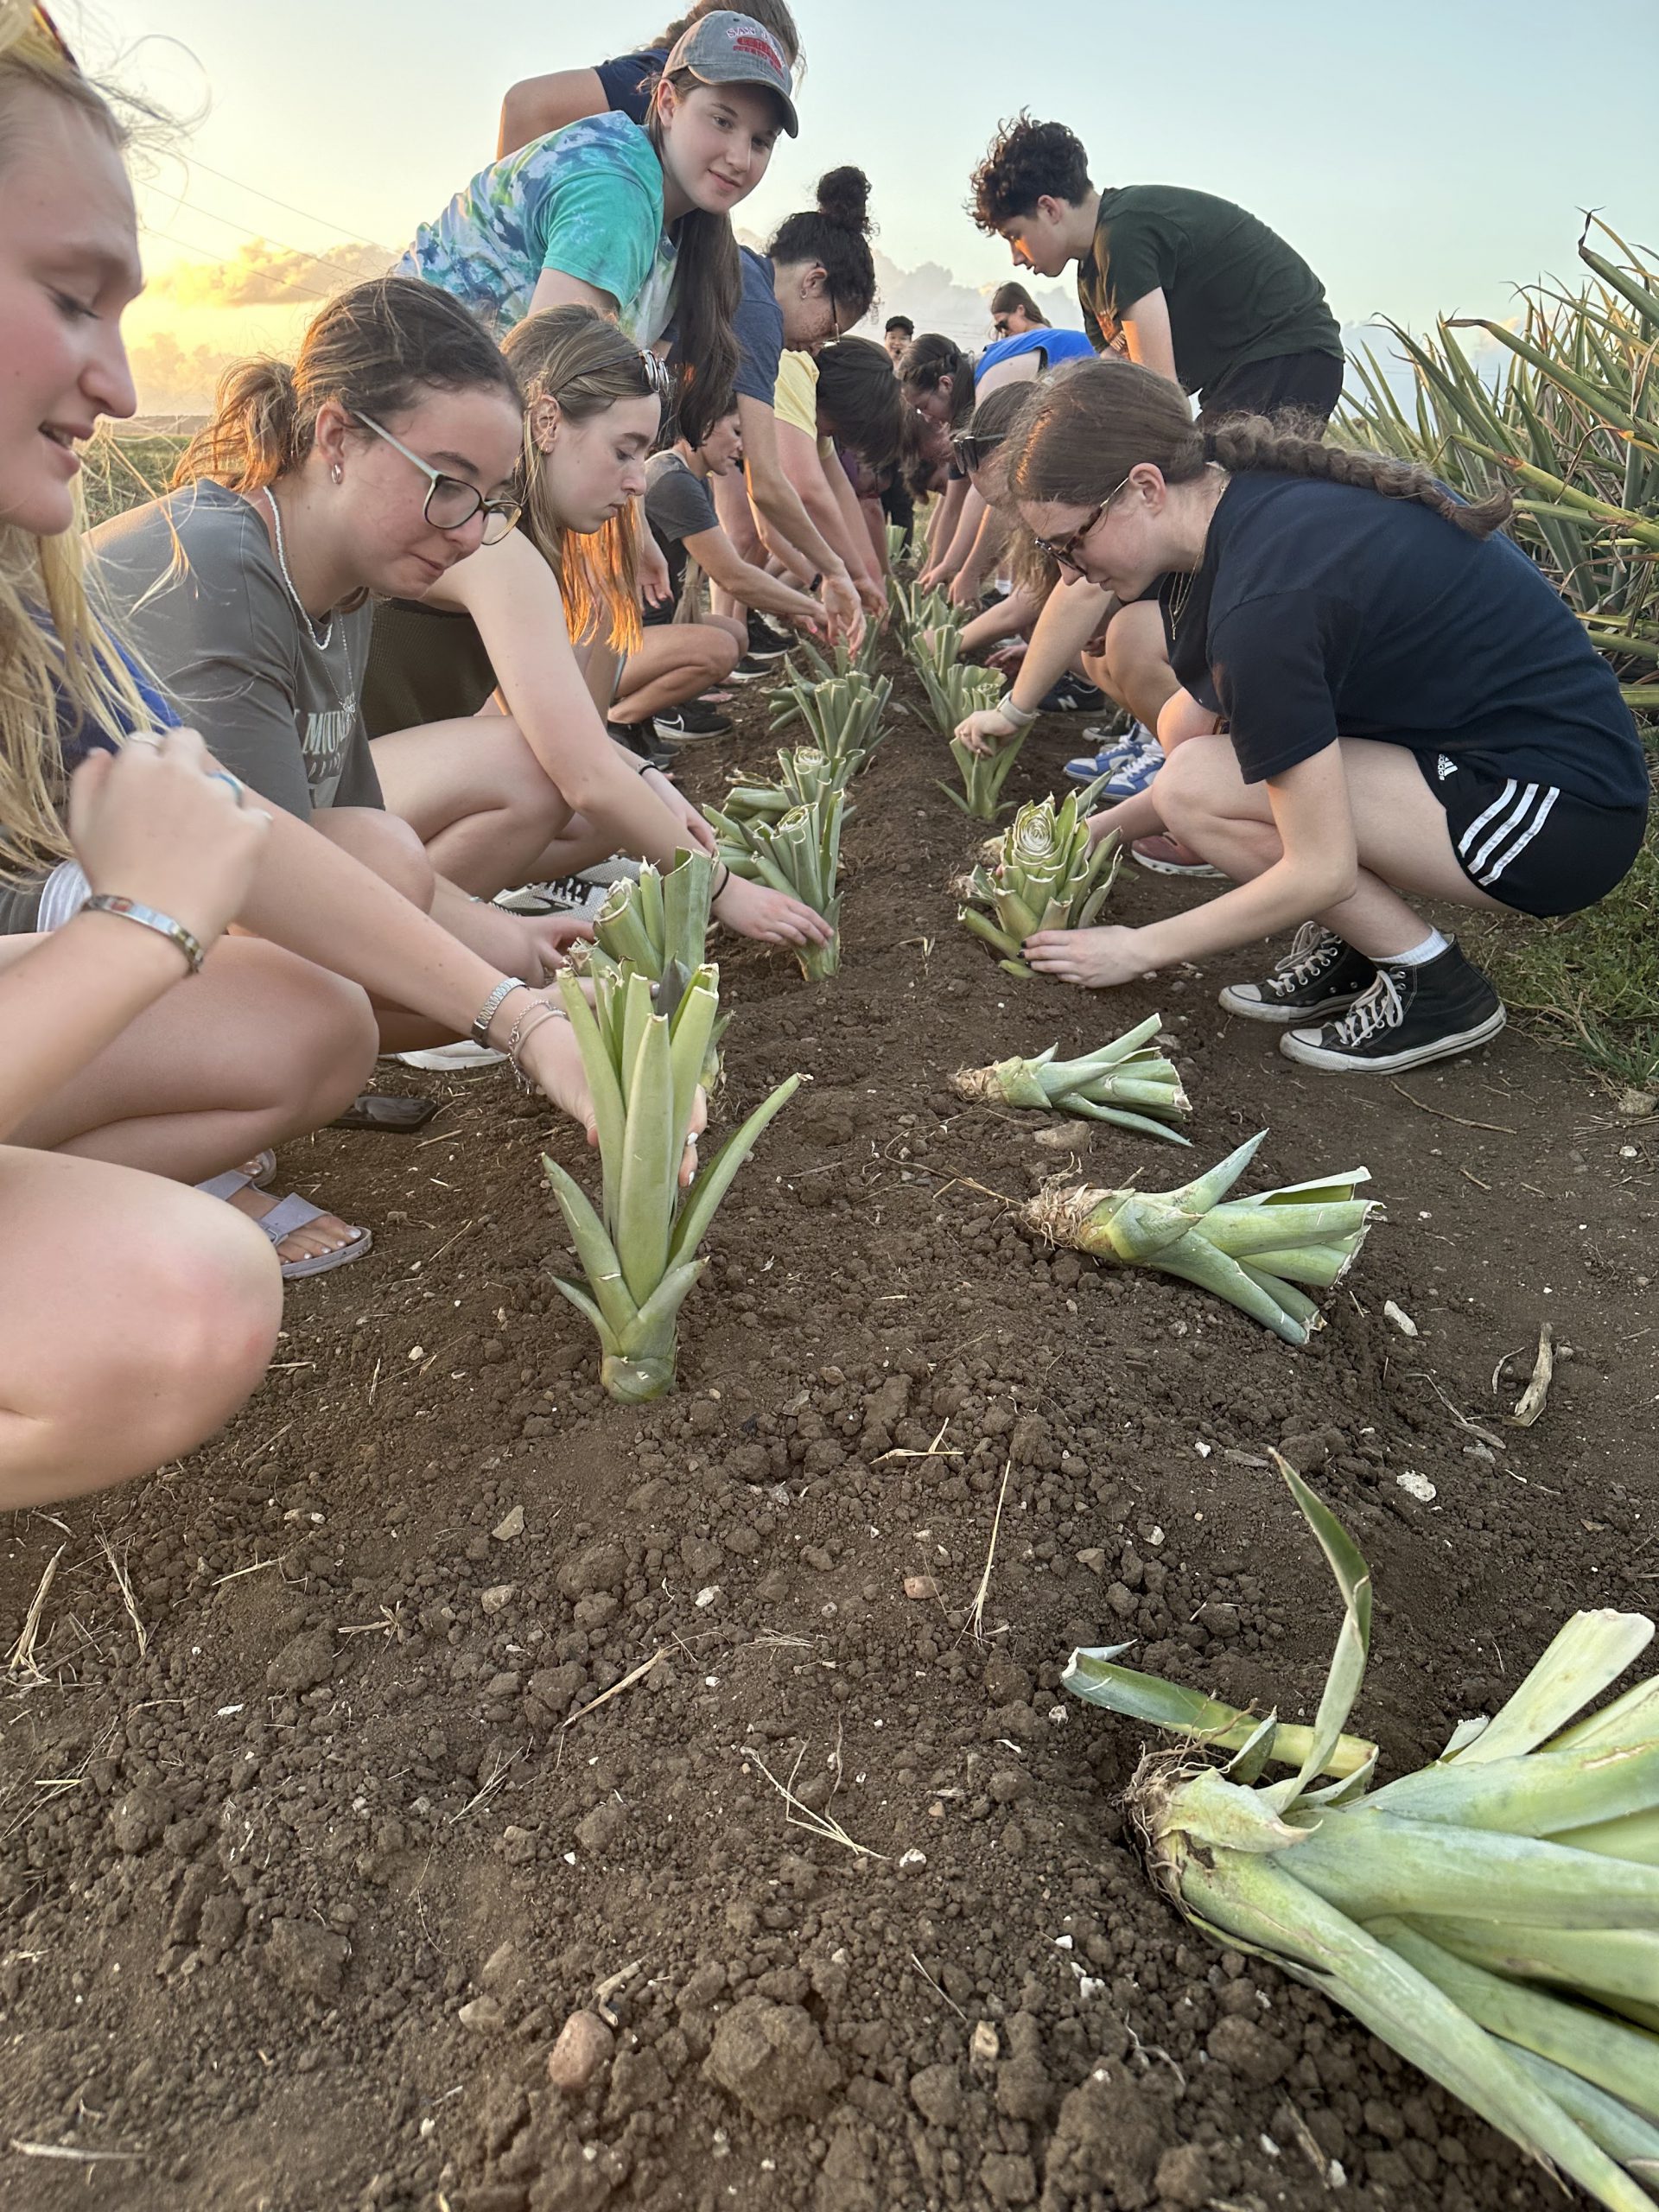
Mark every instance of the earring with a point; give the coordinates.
(337, 473)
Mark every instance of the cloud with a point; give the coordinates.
(262, 274)
(173, 380)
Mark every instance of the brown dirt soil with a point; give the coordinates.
(298, 1888)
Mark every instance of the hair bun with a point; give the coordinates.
(844, 199)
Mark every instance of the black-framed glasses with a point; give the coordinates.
(1063, 550)
(1000, 325)
(451, 502)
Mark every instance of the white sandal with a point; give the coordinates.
(284, 1217)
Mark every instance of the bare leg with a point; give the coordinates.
(1135, 668)
(674, 662)
(260, 1048)
(136, 1316)
(1403, 842)
(475, 796)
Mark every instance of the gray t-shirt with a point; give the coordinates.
(194, 587)
(679, 505)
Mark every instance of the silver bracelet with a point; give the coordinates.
(130, 910)
(492, 1005)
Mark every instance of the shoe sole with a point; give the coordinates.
(750, 674)
(1283, 1017)
(1443, 1048)
(1200, 870)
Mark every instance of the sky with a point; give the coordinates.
(1424, 155)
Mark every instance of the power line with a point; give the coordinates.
(289, 283)
(195, 161)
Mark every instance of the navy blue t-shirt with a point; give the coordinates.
(1321, 610)
(77, 737)
(626, 79)
(758, 325)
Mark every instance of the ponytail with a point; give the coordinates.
(371, 350)
(1092, 421)
(837, 235)
(1247, 441)
(707, 288)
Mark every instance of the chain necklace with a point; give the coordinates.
(318, 637)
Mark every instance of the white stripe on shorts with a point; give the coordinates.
(1513, 821)
(1481, 820)
(1520, 843)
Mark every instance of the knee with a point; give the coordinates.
(214, 1305)
(323, 1036)
(1186, 789)
(721, 650)
(385, 843)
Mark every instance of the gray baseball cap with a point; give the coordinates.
(728, 48)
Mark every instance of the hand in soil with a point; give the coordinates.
(1095, 958)
(770, 917)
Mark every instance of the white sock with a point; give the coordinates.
(1420, 955)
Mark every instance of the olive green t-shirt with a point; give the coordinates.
(1235, 292)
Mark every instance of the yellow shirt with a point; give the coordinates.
(796, 398)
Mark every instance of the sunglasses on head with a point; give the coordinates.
(973, 451)
(1063, 550)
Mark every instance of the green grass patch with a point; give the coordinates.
(1592, 977)
(119, 472)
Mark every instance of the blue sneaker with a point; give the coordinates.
(1134, 776)
(1114, 754)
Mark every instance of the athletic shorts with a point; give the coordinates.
(29, 909)
(1308, 384)
(1529, 844)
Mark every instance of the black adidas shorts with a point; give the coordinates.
(1529, 844)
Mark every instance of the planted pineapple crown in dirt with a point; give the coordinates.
(384, 1800)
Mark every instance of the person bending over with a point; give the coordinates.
(512, 623)
(537, 105)
(680, 508)
(1015, 313)
(816, 280)
(1382, 699)
(847, 397)
(1186, 283)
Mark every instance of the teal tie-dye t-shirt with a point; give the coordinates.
(586, 199)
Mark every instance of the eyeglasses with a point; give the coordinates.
(973, 451)
(1063, 550)
(451, 504)
(1000, 325)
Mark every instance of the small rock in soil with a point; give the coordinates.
(584, 2044)
(306, 1959)
(304, 1661)
(771, 2058)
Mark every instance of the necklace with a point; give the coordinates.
(318, 637)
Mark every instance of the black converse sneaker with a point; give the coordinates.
(1320, 974)
(1410, 1015)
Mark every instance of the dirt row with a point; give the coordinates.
(454, 1701)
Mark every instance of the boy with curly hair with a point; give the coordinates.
(1185, 282)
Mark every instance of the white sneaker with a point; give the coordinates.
(563, 894)
(452, 1059)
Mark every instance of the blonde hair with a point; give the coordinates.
(57, 669)
(575, 357)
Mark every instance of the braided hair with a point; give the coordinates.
(1095, 421)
